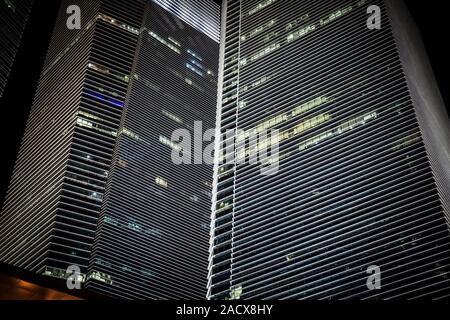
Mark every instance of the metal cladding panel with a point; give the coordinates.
(13, 19)
(202, 15)
(153, 234)
(355, 187)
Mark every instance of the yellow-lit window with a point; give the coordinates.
(161, 182)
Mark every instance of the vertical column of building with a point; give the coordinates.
(152, 238)
(111, 55)
(13, 18)
(50, 215)
(223, 204)
(27, 221)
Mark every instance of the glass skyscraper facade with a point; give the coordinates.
(363, 176)
(94, 185)
(13, 19)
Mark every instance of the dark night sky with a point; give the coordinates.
(431, 19)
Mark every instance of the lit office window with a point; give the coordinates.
(258, 30)
(260, 6)
(161, 182)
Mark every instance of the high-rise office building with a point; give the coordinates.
(363, 179)
(94, 185)
(13, 19)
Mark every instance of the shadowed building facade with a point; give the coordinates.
(13, 19)
(94, 185)
(364, 173)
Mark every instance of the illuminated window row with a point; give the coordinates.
(260, 54)
(175, 41)
(167, 142)
(88, 26)
(116, 23)
(104, 98)
(343, 128)
(10, 5)
(194, 69)
(132, 225)
(103, 90)
(304, 126)
(83, 179)
(297, 22)
(276, 120)
(407, 141)
(193, 84)
(161, 182)
(63, 274)
(172, 116)
(100, 276)
(285, 135)
(256, 84)
(280, 119)
(165, 42)
(301, 32)
(230, 98)
(335, 15)
(242, 104)
(195, 55)
(198, 64)
(223, 205)
(236, 292)
(129, 134)
(305, 107)
(62, 53)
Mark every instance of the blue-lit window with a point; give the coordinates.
(104, 98)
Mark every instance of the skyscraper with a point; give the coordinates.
(13, 20)
(363, 182)
(94, 185)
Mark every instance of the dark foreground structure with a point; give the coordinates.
(364, 176)
(94, 185)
